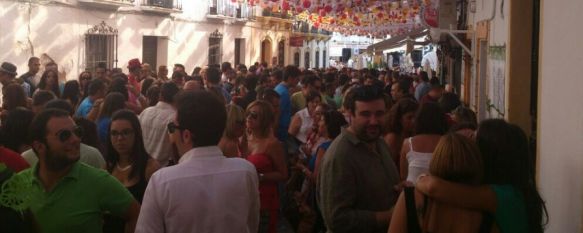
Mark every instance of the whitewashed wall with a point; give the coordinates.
(58, 30)
(560, 117)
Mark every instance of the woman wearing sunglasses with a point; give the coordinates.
(266, 153)
(127, 160)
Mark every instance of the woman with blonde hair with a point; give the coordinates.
(233, 140)
(267, 154)
(456, 159)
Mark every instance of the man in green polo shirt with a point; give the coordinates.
(70, 196)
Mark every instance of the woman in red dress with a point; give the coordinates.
(267, 154)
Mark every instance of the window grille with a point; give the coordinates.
(101, 46)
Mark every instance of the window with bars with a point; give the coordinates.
(101, 46)
(297, 59)
(215, 47)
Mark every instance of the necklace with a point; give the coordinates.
(123, 169)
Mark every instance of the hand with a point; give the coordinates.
(133, 90)
(399, 187)
(97, 103)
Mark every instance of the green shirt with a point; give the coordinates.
(298, 101)
(510, 210)
(78, 200)
(354, 183)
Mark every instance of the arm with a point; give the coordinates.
(294, 126)
(131, 217)
(95, 110)
(277, 156)
(399, 218)
(403, 163)
(151, 167)
(253, 217)
(473, 197)
(320, 155)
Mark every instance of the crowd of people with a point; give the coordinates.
(237, 149)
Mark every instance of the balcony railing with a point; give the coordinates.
(107, 4)
(227, 8)
(278, 14)
(165, 4)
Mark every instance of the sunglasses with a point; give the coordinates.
(253, 115)
(173, 127)
(124, 133)
(66, 134)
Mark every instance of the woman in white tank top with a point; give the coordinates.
(416, 153)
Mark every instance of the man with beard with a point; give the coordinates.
(68, 195)
(357, 176)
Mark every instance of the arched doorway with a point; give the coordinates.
(266, 50)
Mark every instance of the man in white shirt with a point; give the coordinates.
(205, 191)
(154, 121)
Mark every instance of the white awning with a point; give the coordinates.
(399, 40)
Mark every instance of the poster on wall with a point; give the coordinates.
(497, 73)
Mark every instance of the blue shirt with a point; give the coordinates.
(421, 90)
(103, 129)
(285, 110)
(84, 108)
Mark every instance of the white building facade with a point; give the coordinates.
(78, 34)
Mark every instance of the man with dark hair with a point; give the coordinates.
(357, 175)
(250, 83)
(225, 67)
(310, 83)
(197, 193)
(31, 77)
(423, 87)
(162, 73)
(400, 90)
(100, 71)
(96, 92)
(72, 195)
(154, 121)
(275, 78)
(179, 68)
(212, 79)
(89, 155)
(291, 77)
(40, 98)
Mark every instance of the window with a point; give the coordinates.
(317, 59)
(324, 59)
(101, 46)
(239, 51)
(215, 48)
(307, 60)
(297, 59)
(281, 52)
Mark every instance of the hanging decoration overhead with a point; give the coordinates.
(376, 18)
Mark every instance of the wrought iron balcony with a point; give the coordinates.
(161, 6)
(107, 4)
(226, 9)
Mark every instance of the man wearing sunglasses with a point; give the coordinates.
(71, 196)
(205, 191)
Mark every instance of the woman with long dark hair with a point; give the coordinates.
(72, 93)
(400, 126)
(510, 191)
(49, 81)
(113, 102)
(127, 160)
(14, 128)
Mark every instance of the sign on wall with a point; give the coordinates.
(497, 80)
(296, 41)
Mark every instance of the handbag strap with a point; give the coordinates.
(412, 219)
